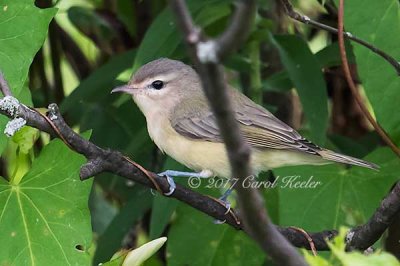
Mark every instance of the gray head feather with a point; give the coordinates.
(160, 66)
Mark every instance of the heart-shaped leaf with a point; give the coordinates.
(45, 218)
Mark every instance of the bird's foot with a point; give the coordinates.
(173, 173)
(169, 174)
(172, 185)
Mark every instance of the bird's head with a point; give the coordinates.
(161, 84)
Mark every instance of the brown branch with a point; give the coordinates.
(105, 160)
(306, 20)
(346, 70)
(363, 236)
(100, 160)
(206, 55)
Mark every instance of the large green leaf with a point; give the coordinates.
(343, 197)
(164, 207)
(96, 89)
(22, 32)
(327, 57)
(305, 73)
(195, 240)
(45, 218)
(115, 125)
(112, 238)
(380, 81)
(163, 36)
(23, 28)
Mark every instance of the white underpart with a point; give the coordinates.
(13, 126)
(207, 52)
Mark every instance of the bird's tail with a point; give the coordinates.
(340, 158)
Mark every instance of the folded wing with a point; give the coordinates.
(260, 128)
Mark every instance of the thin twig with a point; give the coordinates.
(251, 205)
(346, 70)
(306, 20)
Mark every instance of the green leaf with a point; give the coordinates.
(117, 126)
(343, 197)
(163, 36)
(355, 258)
(111, 240)
(94, 26)
(22, 32)
(278, 82)
(45, 218)
(305, 73)
(102, 210)
(96, 88)
(327, 57)
(25, 138)
(194, 240)
(330, 55)
(161, 213)
(164, 207)
(379, 78)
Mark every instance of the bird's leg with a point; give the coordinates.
(169, 174)
(173, 173)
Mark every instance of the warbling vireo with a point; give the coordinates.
(181, 124)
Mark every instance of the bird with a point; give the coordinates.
(180, 122)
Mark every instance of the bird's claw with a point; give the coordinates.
(171, 182)
(227, 205)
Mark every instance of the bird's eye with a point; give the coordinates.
(158, 84)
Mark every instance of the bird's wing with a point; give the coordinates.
(260, 128)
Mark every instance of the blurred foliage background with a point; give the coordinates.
(73, 52)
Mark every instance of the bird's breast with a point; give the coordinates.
(196, 154)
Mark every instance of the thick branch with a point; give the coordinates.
(115, 162)
(254, 215)
(362, 237)
(100, 160)
(306, 20)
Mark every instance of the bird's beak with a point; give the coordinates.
(125, 88)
